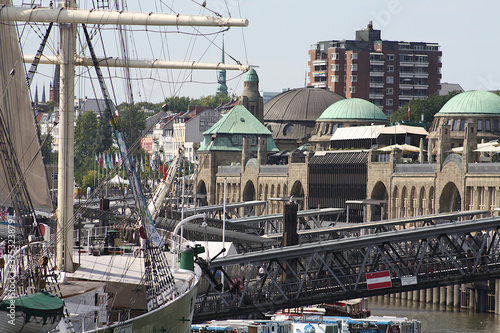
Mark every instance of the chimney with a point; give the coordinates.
(246, 152)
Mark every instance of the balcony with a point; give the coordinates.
(376, 96)
(319, 85)
(376, 84)
(378, 74)
(320, 74)
(422, 64)
(323, 62)
(377, 62)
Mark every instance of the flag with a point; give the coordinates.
(164, 172)
(100, 161)
(109, 162)
(409, 110)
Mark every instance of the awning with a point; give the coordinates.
(403, 129)
(405, 147)
(356, 133)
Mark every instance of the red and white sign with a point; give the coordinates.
(378, 280)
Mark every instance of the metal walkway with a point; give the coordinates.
(423, 256)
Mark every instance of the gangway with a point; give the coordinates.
(425, 256)
(212, 211)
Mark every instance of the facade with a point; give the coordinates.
(455, 175)
(188, 129)
(387, 73)
(235, 140)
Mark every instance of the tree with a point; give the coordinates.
(46, 144)
(178, 104)
(88, 179)
(427, 107)
(87, 132)
(133, 123)
(212, 100)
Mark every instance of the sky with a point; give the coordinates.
(280, 33)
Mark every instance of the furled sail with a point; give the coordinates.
(16, 109)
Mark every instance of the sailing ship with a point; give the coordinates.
(150, 294)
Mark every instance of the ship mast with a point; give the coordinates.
(68, 17)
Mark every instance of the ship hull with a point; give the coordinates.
(174, 317)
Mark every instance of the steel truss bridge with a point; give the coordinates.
(417, 255)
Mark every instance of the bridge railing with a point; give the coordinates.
(328, 271)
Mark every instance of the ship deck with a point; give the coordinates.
(118, 268)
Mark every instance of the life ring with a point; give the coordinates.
(395, 329)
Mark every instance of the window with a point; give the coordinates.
(462, 124)
(480, 125)
(344, 90)
(352, 89)
(390, 57)
(390, 79)
(345, 79)
(390, 68)
(334, 78)
(488, 125)
(345, 67)
(388, 102)
(345, 56)
(354, 78)
(354, 56)
(495, 125)
(389, 91)
(455, 124)
(334, 67)
(335, 56)
(354, 67)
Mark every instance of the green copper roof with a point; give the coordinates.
(353, 109)
(238, 121)
(227, 134)
(472, 102)
(252, 76)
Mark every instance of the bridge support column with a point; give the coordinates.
(423, 295)
(428, 295)
(456, 295)
(442, 295)
(449, 295)
(416, 295)
(497, 296)
(435, 295)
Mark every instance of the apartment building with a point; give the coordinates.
(387, 73)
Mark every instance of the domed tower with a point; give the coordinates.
(345, 113)
(251, 98)
(291, 115)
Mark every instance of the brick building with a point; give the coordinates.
(387, 73)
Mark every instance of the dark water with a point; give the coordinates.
(435, 318)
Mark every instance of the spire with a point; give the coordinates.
(43, 94)
(36, 96)
(222, 87)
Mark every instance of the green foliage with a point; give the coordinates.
(133, 123)
(178, 104)
(427, 107)
(50, 106)
(46, 144)
(87, 133)
(212, 101)
(88, 180)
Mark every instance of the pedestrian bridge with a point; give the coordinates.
(415, 255)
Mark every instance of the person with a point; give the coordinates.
(235, 290)
(262, 273)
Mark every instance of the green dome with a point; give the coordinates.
(252, 76)
(353, 109)
(472, 102)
